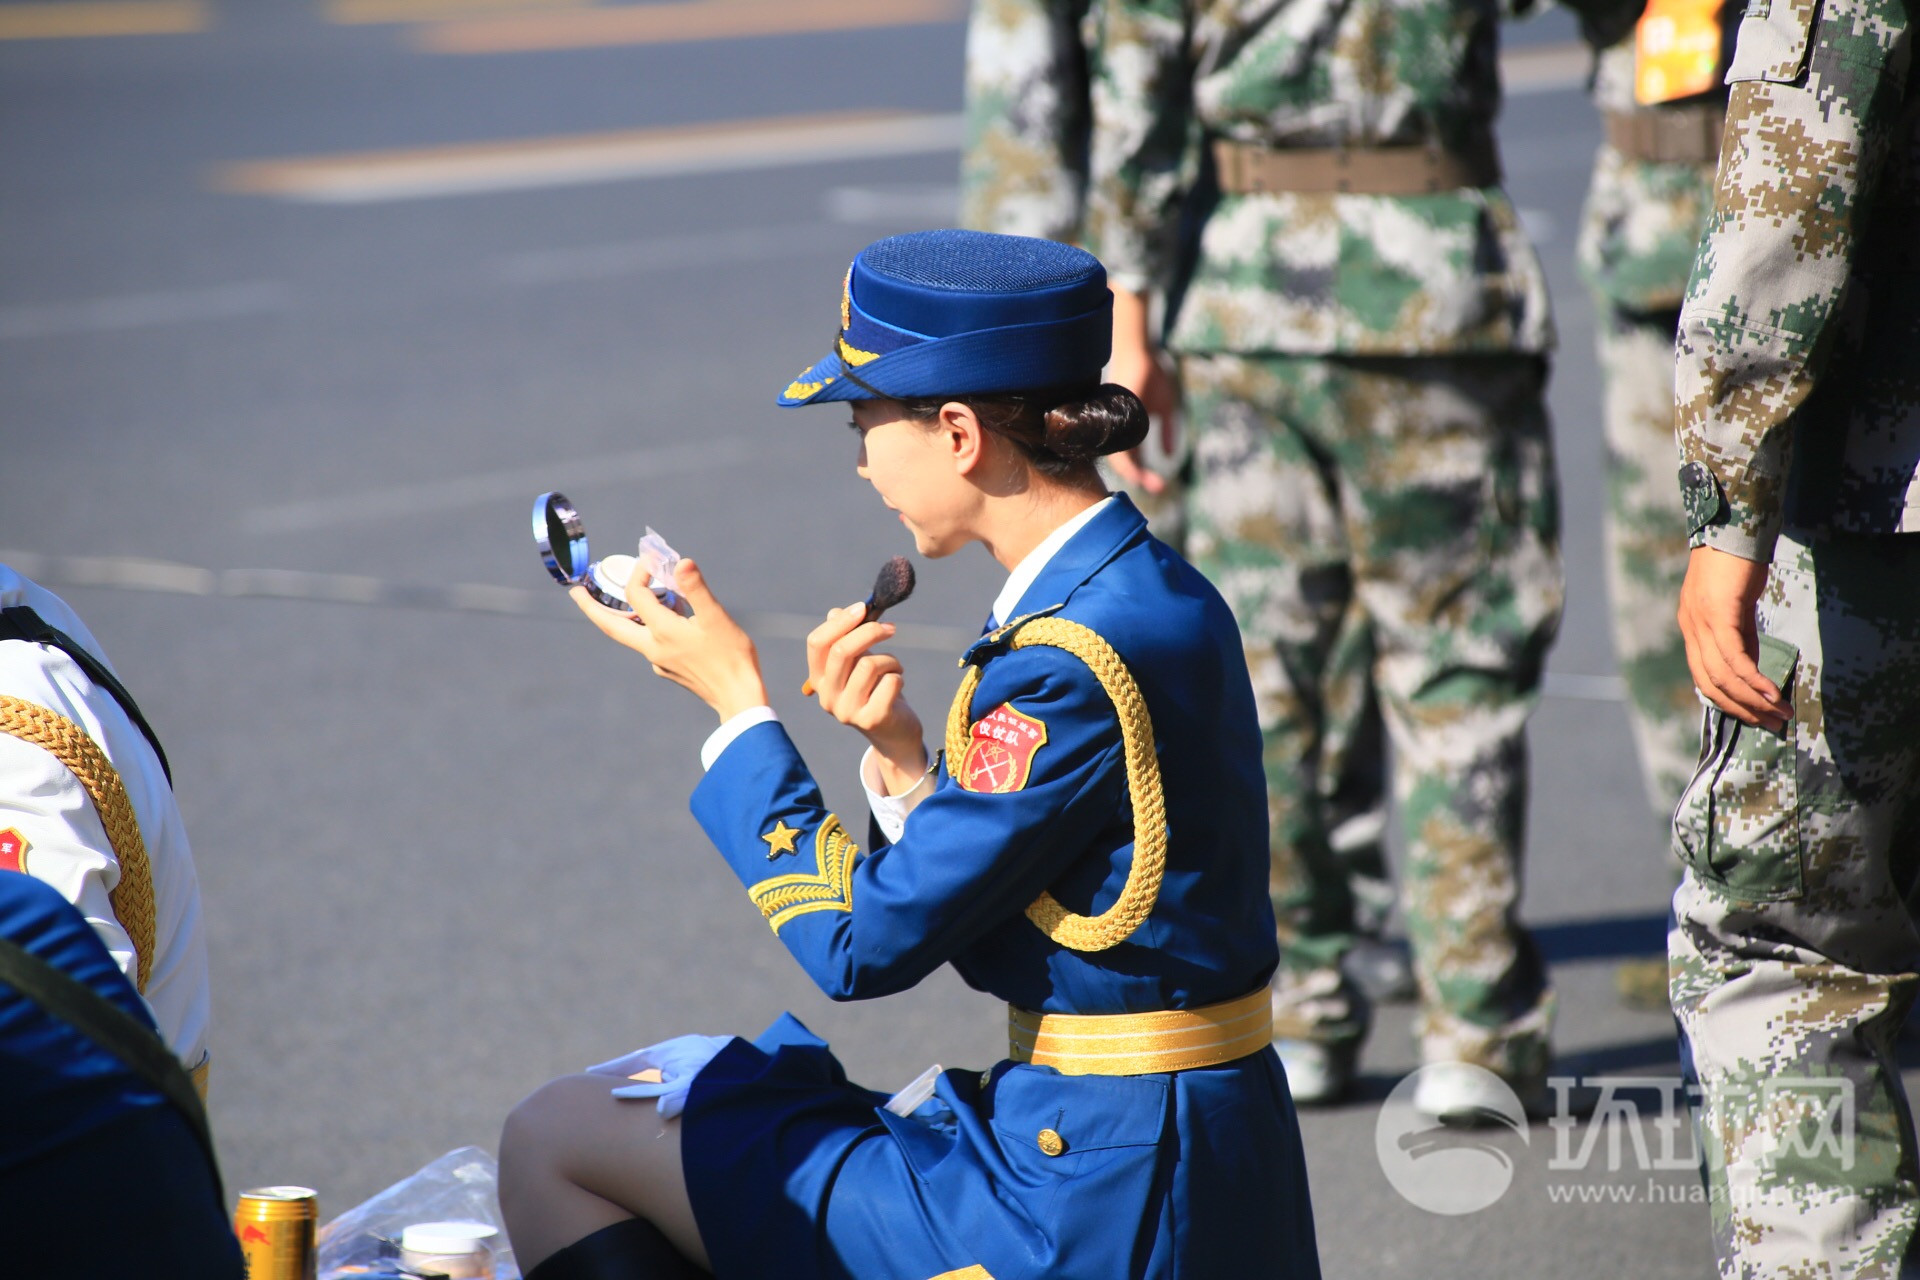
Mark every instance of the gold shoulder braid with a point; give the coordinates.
(1142, 889)
(69, 744)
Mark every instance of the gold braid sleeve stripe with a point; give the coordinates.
(782, 898)
(1129, 911)
(69, 744)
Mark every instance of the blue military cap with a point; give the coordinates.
(937, 313)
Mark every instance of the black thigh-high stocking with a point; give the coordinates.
(630, 1250)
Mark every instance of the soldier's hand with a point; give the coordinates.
(1137, 366)
(709, 653)
(1723, 644)
(866, 690)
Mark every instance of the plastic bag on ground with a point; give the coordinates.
(461, 1186)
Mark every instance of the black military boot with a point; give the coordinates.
(630, 1250)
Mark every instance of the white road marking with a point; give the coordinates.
(134, 573)
(926, 205)
(722, 147)
(144, 310)
(78, 19)
(404, 502)
(1579, 688)
(1545, 68)
(668, 253)
(731, 147)
(676, 21)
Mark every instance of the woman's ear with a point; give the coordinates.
(962, 436)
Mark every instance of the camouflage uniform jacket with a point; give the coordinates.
(1023, 168)
(1309, 273)
(1643, 219)
(1797, 387)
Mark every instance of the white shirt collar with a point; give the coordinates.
(1037, 559)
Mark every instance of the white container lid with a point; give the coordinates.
(447, 1237)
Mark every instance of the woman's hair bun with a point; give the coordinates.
(1109, 420)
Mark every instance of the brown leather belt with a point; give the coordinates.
(1366, 171)
(1668, 135)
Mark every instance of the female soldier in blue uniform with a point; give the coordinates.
(1089, 847)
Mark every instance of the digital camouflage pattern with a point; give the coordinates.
(1639, 230)
(1796, 340)
(1023, 172)
(1309, 274)
(1645, 533)
(1023, 167)
(1794, 954)
(1421, 488)
(1642, 220)
(1793, 963)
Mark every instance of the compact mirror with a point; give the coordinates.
(561, 537)
(562, 540)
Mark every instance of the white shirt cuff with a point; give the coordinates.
(890, 812)
(722, 738)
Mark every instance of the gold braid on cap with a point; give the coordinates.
(68, 743)
(1142, 889)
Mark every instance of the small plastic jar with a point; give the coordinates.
(457, 1250)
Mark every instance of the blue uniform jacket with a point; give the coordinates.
(58, 1083)
(1202, 1168)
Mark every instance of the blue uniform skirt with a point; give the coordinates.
(794, 1171)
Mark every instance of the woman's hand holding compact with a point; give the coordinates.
(709, 653)
(866, 690)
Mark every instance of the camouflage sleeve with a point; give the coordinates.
(1023, 170)
(1818, 89)
(1142, 89)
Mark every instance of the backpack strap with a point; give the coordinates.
(20, 622)
(73, 1002)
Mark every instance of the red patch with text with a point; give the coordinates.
(1000, 751)
(13, 850)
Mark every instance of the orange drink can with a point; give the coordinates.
(276, 1227)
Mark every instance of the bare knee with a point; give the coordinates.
(573, 1158)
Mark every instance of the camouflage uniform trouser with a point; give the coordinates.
(1646, 538)
(1795, 945)
(1352, 780)
(1419, 489)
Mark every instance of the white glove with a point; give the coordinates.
(677, 1060)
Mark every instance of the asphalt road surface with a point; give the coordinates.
(301, 304)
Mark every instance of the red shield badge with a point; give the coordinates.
(1000, 750)
(13, 850)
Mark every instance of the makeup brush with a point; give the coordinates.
(893, 584)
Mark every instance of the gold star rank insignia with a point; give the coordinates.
(780, 840)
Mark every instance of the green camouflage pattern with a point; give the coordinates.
(1645, 532)
(1642, 221)
(1639, 230)
(1305, 274)
(1422, 490)
(1793, 960)
(1022, 172)
(1802, 315)
(1023, 166)
(1352, 778)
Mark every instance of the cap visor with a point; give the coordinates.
(825, 381)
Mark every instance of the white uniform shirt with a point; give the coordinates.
(66, 842)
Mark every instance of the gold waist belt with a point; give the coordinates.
(1141, 1044)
